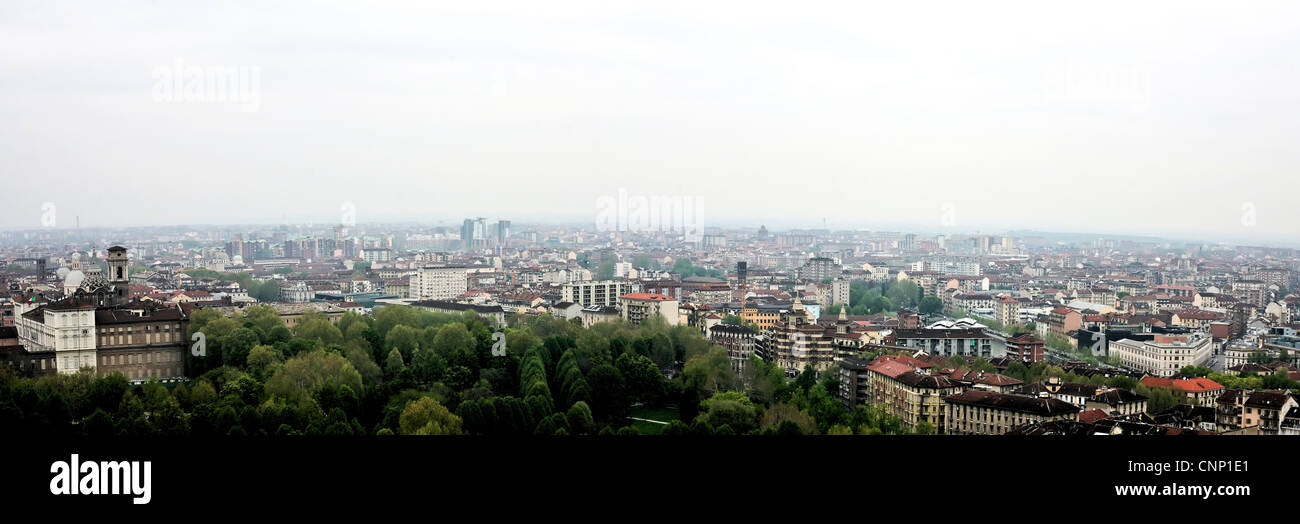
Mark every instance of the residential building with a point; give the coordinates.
(637, 307)
(1165, 355)
(1025, 347)
(599, 292)
(738, 341)
(439, 282)
(978, 412)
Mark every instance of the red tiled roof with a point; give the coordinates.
(1193, 385)
(890, 368)
(1092, 415)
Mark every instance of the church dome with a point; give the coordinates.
(62, 272)
(73, 279)
(94, 283)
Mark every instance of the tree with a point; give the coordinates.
(404, 339)
(394, 365)
(579, 419)
(427, 365)
(605, 271)
(361, 360)
(264, 318)
(782, 412)
(388, 317)
(304, 375)
(1018, 371)
(644, 381)
(264, 360)
(609, 401)
(710, 372)
(731, 408)
(312, 326)
(519, 341)
(455, 344)
(824, 407)
(426, 416)
(1160, 399)
(235, 346)
(931, 305)
(1279, 379)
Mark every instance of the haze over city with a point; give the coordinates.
(1017, 115)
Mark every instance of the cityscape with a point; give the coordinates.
(511, 256)
(495, 327)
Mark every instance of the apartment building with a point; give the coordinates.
(798, 341)
(1164, 355)
(819, 268)
(738, 341)
(1062, 320)
(1025, 347)
(1248, 412)
(900, 385)
(439, 282)
(1086, 397)
(600, 292)
(946, 342)
(978, 412)
(1007, 310)
(637, 307)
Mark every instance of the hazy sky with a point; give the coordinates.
(1132, 117)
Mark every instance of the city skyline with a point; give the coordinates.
(733, 225)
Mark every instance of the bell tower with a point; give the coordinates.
(118, 274)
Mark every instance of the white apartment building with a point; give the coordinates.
(598, 292)
(622, 269)
(376, 254)
(439, 282)
(974, 302)
(565, 276)
(1165, 355)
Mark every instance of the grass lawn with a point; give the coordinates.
(662, 414)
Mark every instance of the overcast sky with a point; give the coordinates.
(1131, 117)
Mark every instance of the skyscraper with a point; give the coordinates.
(503, 232)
